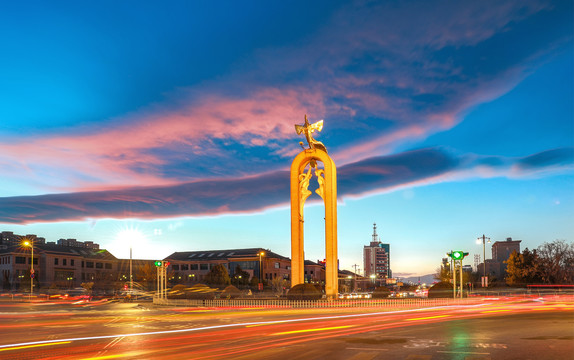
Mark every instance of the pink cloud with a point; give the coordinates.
(97, 159)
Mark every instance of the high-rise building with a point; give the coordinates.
(377, 257)
(501, 251)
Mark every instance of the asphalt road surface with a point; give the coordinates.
(491, 329)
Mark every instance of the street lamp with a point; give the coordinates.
(484, 240)
(131, 277)
(262, 253)
(131, 235)
(30, 243)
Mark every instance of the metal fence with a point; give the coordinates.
(391, 304)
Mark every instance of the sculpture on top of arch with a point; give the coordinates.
(302, 169)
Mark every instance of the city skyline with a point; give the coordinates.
(446, 121)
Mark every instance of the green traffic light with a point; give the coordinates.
(457, 255)
(158, 263)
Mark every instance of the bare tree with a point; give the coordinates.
(278, 284)
(556, 262)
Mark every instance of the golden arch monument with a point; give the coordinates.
(327, 179)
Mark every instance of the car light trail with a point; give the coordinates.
(34, 346)
(205, 345)
(311, 330)
(428, 317)
(112, 356)
(164, 332)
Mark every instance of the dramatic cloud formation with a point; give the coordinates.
(256, 193)
(381, 74)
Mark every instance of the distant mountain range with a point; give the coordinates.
(423, 279)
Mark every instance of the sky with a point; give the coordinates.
(447, 120)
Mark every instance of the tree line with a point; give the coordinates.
(550, 263)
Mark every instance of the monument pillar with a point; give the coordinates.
(327, 179)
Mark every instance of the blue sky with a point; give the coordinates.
(447, 120)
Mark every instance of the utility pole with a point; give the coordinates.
(355, 284)
(484, 241)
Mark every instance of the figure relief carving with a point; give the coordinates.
(321, 180)
(304, 192)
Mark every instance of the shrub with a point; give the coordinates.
(177, 292)
(200, 292)
(382, 292)
(230, 292)
(304, 292)
(442, 289)
(196, 292)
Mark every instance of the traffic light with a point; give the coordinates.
(166, 263)
(158, 263)
(457, 255)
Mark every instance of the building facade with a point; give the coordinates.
(68, 263)
(496, 267)
(65, 264)
(501, 251)
(377, 258)
(193, 266)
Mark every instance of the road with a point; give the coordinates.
(491, 329)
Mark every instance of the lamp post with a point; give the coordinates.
(30, 243)
(262, 253)
(484, 240)
(131, 278)
(130, 235)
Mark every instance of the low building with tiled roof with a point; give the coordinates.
(192, 266)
